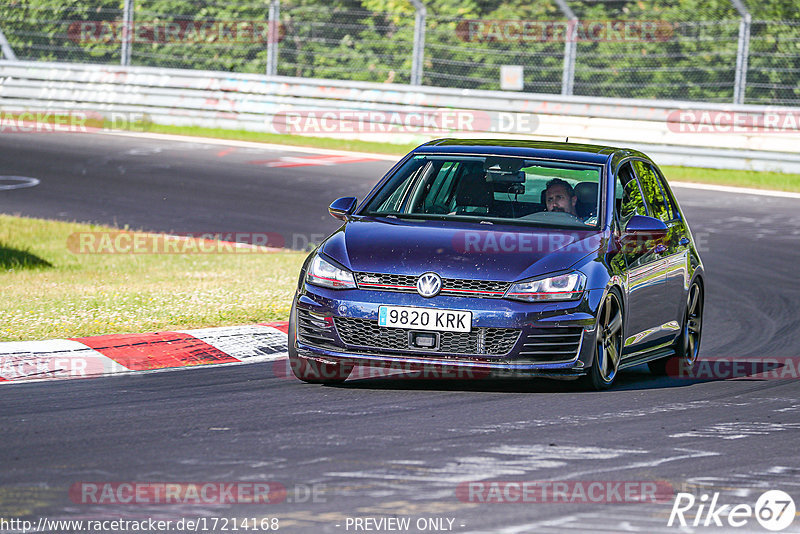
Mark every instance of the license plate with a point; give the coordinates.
(424, 319)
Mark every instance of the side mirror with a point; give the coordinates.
(643, 234)
(342, 208)
(641, 225)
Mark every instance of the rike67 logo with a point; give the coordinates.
(774, 510)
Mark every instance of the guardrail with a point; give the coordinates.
(673, 132)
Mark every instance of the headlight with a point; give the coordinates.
(561, 287)
(325, 274)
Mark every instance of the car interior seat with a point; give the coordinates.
(474, 194)
(587, 199)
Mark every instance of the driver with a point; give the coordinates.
(560, 196)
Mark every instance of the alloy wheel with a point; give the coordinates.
(609, 343)
(693, 326)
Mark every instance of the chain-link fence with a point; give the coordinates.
(722, 51)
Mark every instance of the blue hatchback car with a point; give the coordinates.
(498, 258)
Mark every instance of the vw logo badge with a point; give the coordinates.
(429, 285)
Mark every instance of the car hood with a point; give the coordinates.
(458, 250)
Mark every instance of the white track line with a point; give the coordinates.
(254, 144)
(736, 190)
(394, 158)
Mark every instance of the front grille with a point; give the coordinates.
(450, 286)
(366, 334)
(550, 345)
(313, 329)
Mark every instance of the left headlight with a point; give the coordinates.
(325, 274)
(561, 287)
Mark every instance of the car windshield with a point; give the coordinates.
(496, 189)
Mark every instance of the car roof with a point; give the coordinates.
(528, 148)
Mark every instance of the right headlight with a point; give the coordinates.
(323, 273)
(568, 286)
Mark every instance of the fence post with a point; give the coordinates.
(570, 48)
(742, 52)
(127, 33)
(418, 54)
(273, 37)
(5, 48)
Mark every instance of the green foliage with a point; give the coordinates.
(46, 29)
(691, 57)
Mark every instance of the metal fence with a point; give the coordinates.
(712, 52)
(110, 98)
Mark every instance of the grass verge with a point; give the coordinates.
(755, 179)
(47, 291)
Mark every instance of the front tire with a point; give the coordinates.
(608, 343)
(309, 370)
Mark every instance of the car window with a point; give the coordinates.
(537, 178)
(653, 191)
(668, 199)
(494, 188)
(393, 195)
(629, 197)
(442, 187)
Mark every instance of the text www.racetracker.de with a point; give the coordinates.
(200, 524)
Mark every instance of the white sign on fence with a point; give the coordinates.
(511, 78)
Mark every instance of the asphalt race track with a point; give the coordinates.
(376, 448)
(175, 187)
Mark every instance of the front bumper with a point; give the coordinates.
(328, 309)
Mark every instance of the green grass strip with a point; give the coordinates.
(49, 291)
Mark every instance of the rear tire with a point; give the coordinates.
(687, 346)
(608, 344)
(310, 370)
